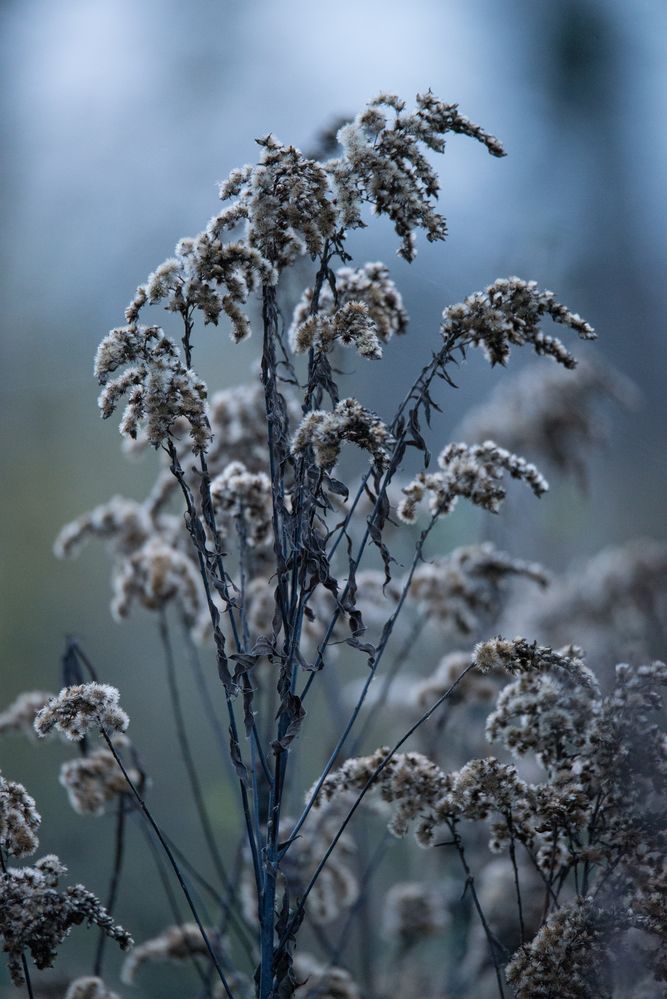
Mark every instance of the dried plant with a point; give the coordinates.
(279, 564)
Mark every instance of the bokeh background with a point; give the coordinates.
(118, 119)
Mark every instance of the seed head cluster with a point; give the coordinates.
(19, 820)
(83, 708)
(325, 432)
(472, 471)
(365, 312)
(36, 916)
(507, 314)
(159, 388)
(94, 780)
(384, 164)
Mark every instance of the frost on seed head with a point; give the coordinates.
(384, 164)
(508, 313)
(159, 388)
(325, 432)
(365, 312)
(35, 916)
(19, 819)
(83, 708)
(472, 471)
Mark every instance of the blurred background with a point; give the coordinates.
(118, 119)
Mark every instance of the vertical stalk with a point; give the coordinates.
(170, 857)
(186, 751)
(115, 879)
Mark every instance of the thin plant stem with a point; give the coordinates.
(119, 845)
(375, 662)
(371, 868)
(186, 750)
(222, 658)
(470, 885)
(388, 679)
(226, 904)
(515, 869)
(171, 898)
(362, 794)
(170, 857)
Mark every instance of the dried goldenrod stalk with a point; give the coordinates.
(244, 498)
(206, 275)
(284, 201)
(384, 165)
(159, 387)
(176, 943)
(467, 586)
(365, 313)
(517, 656)
(412, 912)
(325, 432)
(314, 980)
(336, 889)
(92, 781)
(19, 819)
(472, 471)
(123, 522)
(19, 716)
(80, 709)
(507, 314)
(36, 916)
(567, 958)
(90, 988)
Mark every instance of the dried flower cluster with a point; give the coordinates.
(152, 576)
(19, 819)
(507, 314)
(90, 988)
(325, 432)
(205, 275)
(93, 780)
(284, 201)
(365, 311)
(176, 943)
(549, 412)
(36, 916)
(598, 812)
(244, 498)
(468, 586)
(384, 165)
(19, 716)
(614, 603)
(413, 911)
(159, 387)
(518, 656)
(474, 472)
(314, 980)
(409, 781)
(83, 708)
